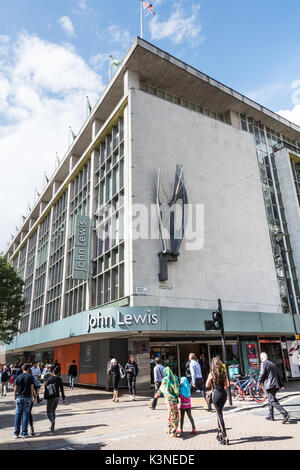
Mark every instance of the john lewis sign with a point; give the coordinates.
(80, 268)
(129, 319)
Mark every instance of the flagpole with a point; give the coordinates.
(110, 67)
(141, 1)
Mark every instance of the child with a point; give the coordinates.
(185, 404)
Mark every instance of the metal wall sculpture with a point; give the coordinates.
(172, 216)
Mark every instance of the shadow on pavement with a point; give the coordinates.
(244, 440)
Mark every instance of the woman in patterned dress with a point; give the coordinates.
(170, 390)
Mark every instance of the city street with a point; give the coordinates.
(90, 421)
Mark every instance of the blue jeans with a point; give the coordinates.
(22, 412)
(72, 381)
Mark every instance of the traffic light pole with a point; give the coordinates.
(224, 349)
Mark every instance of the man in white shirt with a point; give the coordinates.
(36, 371)
(197, 382)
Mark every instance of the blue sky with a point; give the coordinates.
(54, 53)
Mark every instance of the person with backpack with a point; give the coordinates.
(158, 373)
(72, 374)
(117, 373)
(53, 388)
(131, 371)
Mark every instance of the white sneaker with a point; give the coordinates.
(197, 391)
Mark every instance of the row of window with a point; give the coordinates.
(181, 102)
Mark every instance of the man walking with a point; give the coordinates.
(197, 382)
(24, 385)
(72, 374)
(158, 378)
(271, 382)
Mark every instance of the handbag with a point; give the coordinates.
(122, 373)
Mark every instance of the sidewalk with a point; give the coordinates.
(90, 420)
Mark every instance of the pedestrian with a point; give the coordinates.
(36, 372)
(23, 394)
(53, 388)
(217, 380)
(185, 404)
(56, 365)
(72, 374)
(117, 373)
(197, 382)
(188, 371)
(36, 389)
(204, 366)
(108, 375)
(158, 372)
(170, 390)
(17, 370)
(4, 378)
(271, 381)
(131, 371)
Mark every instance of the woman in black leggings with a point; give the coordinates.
(217, 379)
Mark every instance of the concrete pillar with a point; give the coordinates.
(73, 161)
(66, 256)
(43, 205)
(34, 276)
(131, 80)
(32, 221)
(233, 118)
(55, 187)
(48, 263)
(96, 126)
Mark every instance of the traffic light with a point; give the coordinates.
(217, 320)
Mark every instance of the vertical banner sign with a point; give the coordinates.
(80, 268)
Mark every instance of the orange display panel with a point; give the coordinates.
(90, 379)
(66, 354)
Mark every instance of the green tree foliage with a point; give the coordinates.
(12, 303)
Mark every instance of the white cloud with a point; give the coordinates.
(4, 41)
(67, 25)
(82, 5)
(43, 88)
(119, 35)
(178, 27)
(292, 115)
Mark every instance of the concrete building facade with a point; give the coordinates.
(88, 250)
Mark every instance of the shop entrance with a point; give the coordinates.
(274, 352)
(168, 355)
(197, 349)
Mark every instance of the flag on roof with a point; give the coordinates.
(148, 6)
(115, 62)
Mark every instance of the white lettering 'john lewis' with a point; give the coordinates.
(107, 321)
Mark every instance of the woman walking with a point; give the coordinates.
(170, 390)
(185, 404)
(117, 373)
(53, 386)
(217, 379)
(131, 371)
